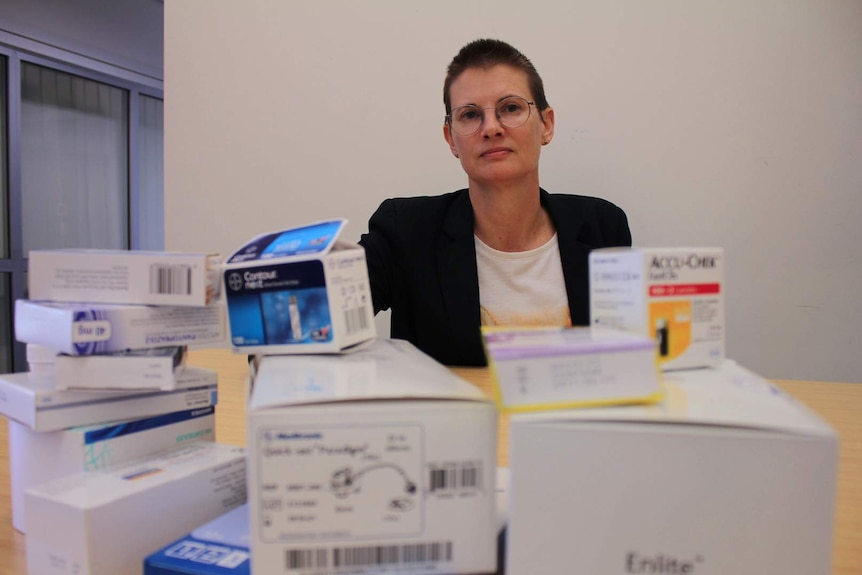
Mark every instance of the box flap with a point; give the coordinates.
(386, 369)
(316, 238)
(728, 396)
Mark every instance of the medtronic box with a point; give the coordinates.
(123, 276)
(675, 295)
(86, 329)
(39, 456)
(299, 291)
(105, 522)
(377, 461)
(727, 475)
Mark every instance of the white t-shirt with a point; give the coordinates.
(522, 288)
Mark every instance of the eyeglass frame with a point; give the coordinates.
(448, 117)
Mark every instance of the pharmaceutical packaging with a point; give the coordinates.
(377, 461)
(299, 291)
(139, 369)
(675, 295)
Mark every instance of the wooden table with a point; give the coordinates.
(838, 403)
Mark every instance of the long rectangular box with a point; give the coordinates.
(106, 522)
(675, 295)
(376, 461)
(40, 456)
(138, 369)
(727, 475)
(123, 276)
(299, 291)
(86, 328)
(35, 401)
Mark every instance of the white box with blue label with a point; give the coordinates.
(39, 456)
(299, 291)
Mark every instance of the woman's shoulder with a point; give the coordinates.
(582, 205)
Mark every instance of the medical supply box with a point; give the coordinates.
(123, 276)
(138, 369)
(299, 291)
(535, 369)
(377, 461)
(40, 456)
(35, 401)
(105, 522)
(727, 475)
(87, 329)
(675, 295)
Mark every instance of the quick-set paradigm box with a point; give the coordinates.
(123, 276)
(675, 295)
(40, 456)
(727, 475)
(86, 329)
(299, 291)
(105, 522)
(35, 401)
(377, 461)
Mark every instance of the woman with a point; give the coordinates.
(503, 251)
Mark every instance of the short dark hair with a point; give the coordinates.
(485, 53)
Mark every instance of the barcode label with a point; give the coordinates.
(356, 320)
(170, 279)
(455, 476)
(351, 557)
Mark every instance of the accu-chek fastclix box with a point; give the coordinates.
(299, 291)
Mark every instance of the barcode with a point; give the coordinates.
(356, 320)
(350, 557)
(463, 475)
(167, 279)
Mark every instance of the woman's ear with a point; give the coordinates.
(447, 134)
(548, 122)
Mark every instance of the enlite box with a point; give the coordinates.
(39, 456)
(220, 547)
(376, 461)
(299, 291)
(105, 522)
(675, 295)
(123, 276)
(727, 475)
(86, 329)
(35, 401)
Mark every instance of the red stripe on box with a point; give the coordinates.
(684, 289)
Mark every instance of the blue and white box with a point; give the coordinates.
(220, 547)
(39, 456)
(299, 291)
(87, 329)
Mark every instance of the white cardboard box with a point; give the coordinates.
(675, 295)
(140, 369)
(85, 328)
(123, 276)
(39, 456)
(727, 475)
(556, 368)
(376, 461)
(299, 291)
(105, 522)
(37, 403)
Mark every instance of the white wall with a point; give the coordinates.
(735, 123)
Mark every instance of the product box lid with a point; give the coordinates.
(385, 369)
(728, 396)
(314, 239)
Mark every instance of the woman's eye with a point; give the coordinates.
(468, 115)
(510, 108)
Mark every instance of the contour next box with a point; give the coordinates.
(35, 401)
(123, 276)
(86, 329)
(39, 456)
(727, 475)
(106, 522)
(675, 295)
(376, 461)
(299, 291)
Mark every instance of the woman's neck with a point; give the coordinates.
(510, 219)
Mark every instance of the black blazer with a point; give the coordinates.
(422, 264)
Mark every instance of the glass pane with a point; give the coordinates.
(6, 347)
(4, 166)
(74, 161)
(151, 163)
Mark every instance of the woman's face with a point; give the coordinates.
(496, 154)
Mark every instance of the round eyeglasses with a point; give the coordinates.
(512, 112)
